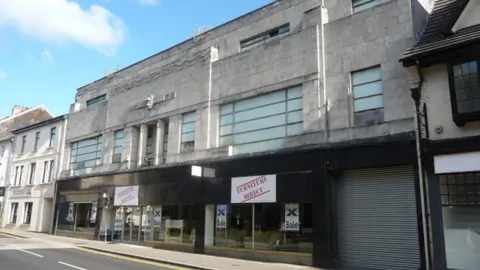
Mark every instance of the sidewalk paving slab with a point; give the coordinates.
(188, 260)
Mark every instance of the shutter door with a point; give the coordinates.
(377, 219)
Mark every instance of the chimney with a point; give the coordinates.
(18, 109)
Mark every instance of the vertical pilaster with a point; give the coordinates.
(142, 144)
(159, 140)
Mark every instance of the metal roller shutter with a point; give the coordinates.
(377, 219)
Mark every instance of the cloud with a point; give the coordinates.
(65, 21)
(3, 75)
(148, 2)
(48, 57)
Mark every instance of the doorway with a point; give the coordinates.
(132, 220)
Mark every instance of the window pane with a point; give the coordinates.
(368, 89)
(119, 134)
(226, 119)
(189, 117)
(264, 134)
(368, 75)
(295, 129)
(225, 130)
(227, 108)
(457, 70)
(261, 123)
(295, 92)
(86, 150)
(260, 112)
(369, 103)
(259, 146)
(226, 140)
(294, 104)
(294, 117)
(189, 127)
(365, 6)
(87, 143)
(188, 137)
(117, 150)
(260, 101)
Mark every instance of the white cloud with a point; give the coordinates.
(61, 21)
(48, 57)
(3, 75)
(148, 2)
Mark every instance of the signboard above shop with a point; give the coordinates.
(254, 189)
(23, 192)
(126, 196)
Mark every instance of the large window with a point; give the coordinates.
(360, 5)
(118, 146)
(262, 123)
(264, 37)
(367, 89)
(460, 195)
(465, 91)
(261, 226)
(188, 132)
(86, 154)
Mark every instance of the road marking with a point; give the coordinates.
(72, 266)
(31, 253)
(8, 235)
(164, 265)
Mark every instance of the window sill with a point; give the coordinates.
(44, 184)
(29, 185)
(462, 119)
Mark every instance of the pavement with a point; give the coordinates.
(56, 252)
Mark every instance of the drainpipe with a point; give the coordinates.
(416, 95)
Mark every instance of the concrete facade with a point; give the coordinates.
(325, 44)
(35, 184)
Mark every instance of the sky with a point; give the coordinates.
(50, 48)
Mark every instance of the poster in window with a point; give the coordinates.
(70, 212)
(119, 223)
(292, 217)
(93, 213)
(157, 217)
(222, 216)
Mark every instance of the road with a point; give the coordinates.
(25, 254)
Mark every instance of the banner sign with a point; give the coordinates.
(254, 189)
(126, 196)
(119, 221)
(292, 217)
(157, 217)
(93, 213)
(222, 211)
(21, 192)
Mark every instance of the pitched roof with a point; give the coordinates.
(437, 35)
(25, 118)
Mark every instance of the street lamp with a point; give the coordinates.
(105, 197)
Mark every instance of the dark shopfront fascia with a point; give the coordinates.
(305, 182)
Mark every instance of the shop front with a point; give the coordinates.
(77, 215)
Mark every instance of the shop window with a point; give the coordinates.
(188, 132)
(460, 195)
(13, 213)
(261, 123)
(465, 92)
(77, 219)
(86, 154)
(27, 218)
(267, 226)
(118, 146)
(166, 224)
(361, 5)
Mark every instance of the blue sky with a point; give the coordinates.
(49, 48)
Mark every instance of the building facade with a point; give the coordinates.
(37, 151)
(269, 135)
(445, 85)
(21, 116)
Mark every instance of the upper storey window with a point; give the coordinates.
(361, 5)
(264, 37)
(97, 100)
(465, 91)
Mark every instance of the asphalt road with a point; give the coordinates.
(71, 259)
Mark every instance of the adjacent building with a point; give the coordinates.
(38, 148)
(284, 135)
(444, 67)
(21, 116)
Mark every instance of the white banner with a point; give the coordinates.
(222, 211)
(119, 221)
(126, 196)
(93, 213)
(254, 189)
(70, 212)
(292, 217)
(157, 217)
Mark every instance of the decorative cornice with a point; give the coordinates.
(157, 71)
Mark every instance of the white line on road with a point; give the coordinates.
(31, 253)
(73, 266)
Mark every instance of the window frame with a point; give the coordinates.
(115, 146)
(352, 85)
(33, 168)
(51, 171)
(98, 151)
(188, 146)
(53, 135)
(366, 2)
(263, 37)
(96, 100)
(45, 169)
(460, 119)
(37, 140)
(24, 142)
